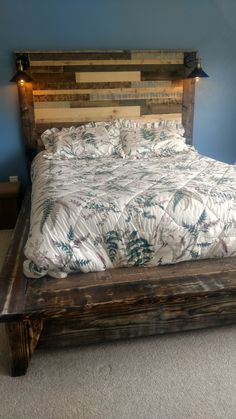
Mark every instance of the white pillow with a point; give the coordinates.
(86, 141)
(166, 125)
(146, 143)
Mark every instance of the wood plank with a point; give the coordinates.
(188, 108)
(107, 76)
(85, 114)
(157, 108)
(165, 56)
(27, 114)
(106, 85)
(54, 104)
(110, 103)
(147, 107)
(106, 103)
(71, 334)
(192, 270)
(150, 106)
(75, 101)
(160, 117)
(117, 91)
(53, 77)
(12, 282)
(164, 72)
(188, 105)
(45, 69)
(167, 298)
(57, 55)
(60, 98)
(23, 337)
(143, 68)
(146, 93)
(18, 339)
(157, 83)
(102, 54)
(82, 52)
(68, 85)
(133, 61)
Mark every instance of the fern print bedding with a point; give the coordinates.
(97, 214)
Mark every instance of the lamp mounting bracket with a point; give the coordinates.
(190, 60)
(22, 60)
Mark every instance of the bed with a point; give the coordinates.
(122, 295)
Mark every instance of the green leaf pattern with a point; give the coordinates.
(90, 215)
(111, 239)
(139, 249)
(46, 211)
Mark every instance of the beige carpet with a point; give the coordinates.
(182, 376)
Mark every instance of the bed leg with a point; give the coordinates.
(23, 337)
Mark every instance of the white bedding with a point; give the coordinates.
(96, 214)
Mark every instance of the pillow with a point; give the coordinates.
(82, 143)
(47, 138)
(50, 136)
(147, 143)
(87, 141)
(165, 125)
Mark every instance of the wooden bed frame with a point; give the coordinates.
(73, 88)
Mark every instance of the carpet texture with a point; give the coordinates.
(183, 376)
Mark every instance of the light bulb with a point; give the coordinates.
(197, 79)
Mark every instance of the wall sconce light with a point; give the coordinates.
(197, 73)
(22, 64)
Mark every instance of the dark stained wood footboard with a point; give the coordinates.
(115, 304)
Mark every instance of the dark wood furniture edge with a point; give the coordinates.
(11, 283)
(188, 102)
(22, 334)
(109, 305)
(23, 338)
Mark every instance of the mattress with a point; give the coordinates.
(97, 214)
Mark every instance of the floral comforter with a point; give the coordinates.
(91, 215)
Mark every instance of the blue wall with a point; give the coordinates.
(205, 25)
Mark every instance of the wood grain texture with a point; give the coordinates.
(27, 114)
(23, 337)
(52, 104)
(78, 81)
(167, 56)
(133, 61)
(74, 115)
(188, 108)
(39, 88)
(160, 116)
(12, 283)
(57, 55)
(188, 105)
(107, 57)
(161, 89)
(107, 76)
(68, 85)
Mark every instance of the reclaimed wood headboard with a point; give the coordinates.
(75, 87)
